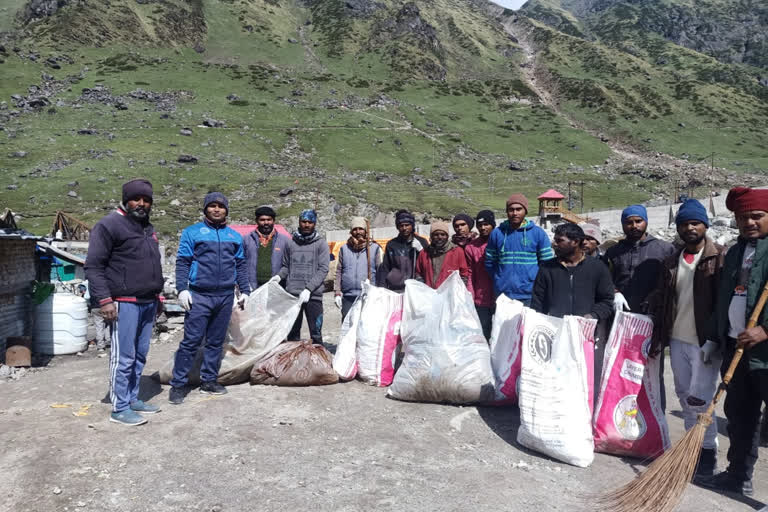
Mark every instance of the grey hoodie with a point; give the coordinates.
(305, 266)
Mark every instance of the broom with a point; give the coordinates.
(660, 487)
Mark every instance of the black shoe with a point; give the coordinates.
(212, 388)
(176, 395)
(707, 464)
(726, 482)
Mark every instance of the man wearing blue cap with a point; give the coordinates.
(636, 261)
(209, 263)
(682, 306)
(305, 265)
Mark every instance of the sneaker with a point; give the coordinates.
(707, 463)
(726, 482)
(212, 388)
(176, 395)
(144, 408)
(127, 417)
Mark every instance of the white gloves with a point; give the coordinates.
(242, 300)
(416, 244)
(707, 351)
(337, 301)
(185, 299)
(619, 302)
(304, 296)
(275, 279)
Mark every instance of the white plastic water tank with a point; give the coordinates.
(61, 325)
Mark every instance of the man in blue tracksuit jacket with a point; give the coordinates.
(209, 263)
(514, 252)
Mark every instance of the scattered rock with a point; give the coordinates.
(175, 202)
(199, 48)
(86, 131)
(187, 159)
(213, 123)
(286, 191)
(186, 132)
(12, 187)
(18, 154)
(292, 40)
(233, 97)
(72, 193)
(515, 166)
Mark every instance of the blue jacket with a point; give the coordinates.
(252, 244)
(512, 258)
(211, 260)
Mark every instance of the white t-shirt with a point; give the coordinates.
(684, 328)
(737, 311)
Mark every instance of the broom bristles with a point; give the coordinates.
(661, 486)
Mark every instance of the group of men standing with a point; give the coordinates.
(698, 296)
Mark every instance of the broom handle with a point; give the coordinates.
(739, 352)
(368, 246)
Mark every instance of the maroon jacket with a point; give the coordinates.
(455, 259)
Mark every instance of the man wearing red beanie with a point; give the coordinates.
(742, 279)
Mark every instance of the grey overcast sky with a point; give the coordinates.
(510, 4)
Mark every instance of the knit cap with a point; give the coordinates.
(466, 218)
(215, 197)
(357, 222)
(592, 231)
(136, 188)
(692, 209)
(635, 210)
(440, 226)
(486, 216)
(518, 199)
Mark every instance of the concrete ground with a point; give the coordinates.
(338, 448)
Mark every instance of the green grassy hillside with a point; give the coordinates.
(355, 106)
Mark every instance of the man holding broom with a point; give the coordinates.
(743, 277)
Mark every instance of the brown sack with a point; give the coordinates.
(296, 363)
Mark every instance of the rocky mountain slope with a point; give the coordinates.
(355, 107)
(733, 31)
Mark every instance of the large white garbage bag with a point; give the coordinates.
(554, 397)
(345, 358)
(446, 355)
(253, 333)
(378, 335)
(506, 339)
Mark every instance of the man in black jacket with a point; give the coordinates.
(575, 284)
(399, 259)
(125, 279)
(571, 283)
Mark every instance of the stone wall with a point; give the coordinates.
(17, 271)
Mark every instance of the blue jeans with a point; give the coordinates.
(207, 319)
(131, 333)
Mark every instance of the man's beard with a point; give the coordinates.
(266, 229)
(139, 213)
(440, 243)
